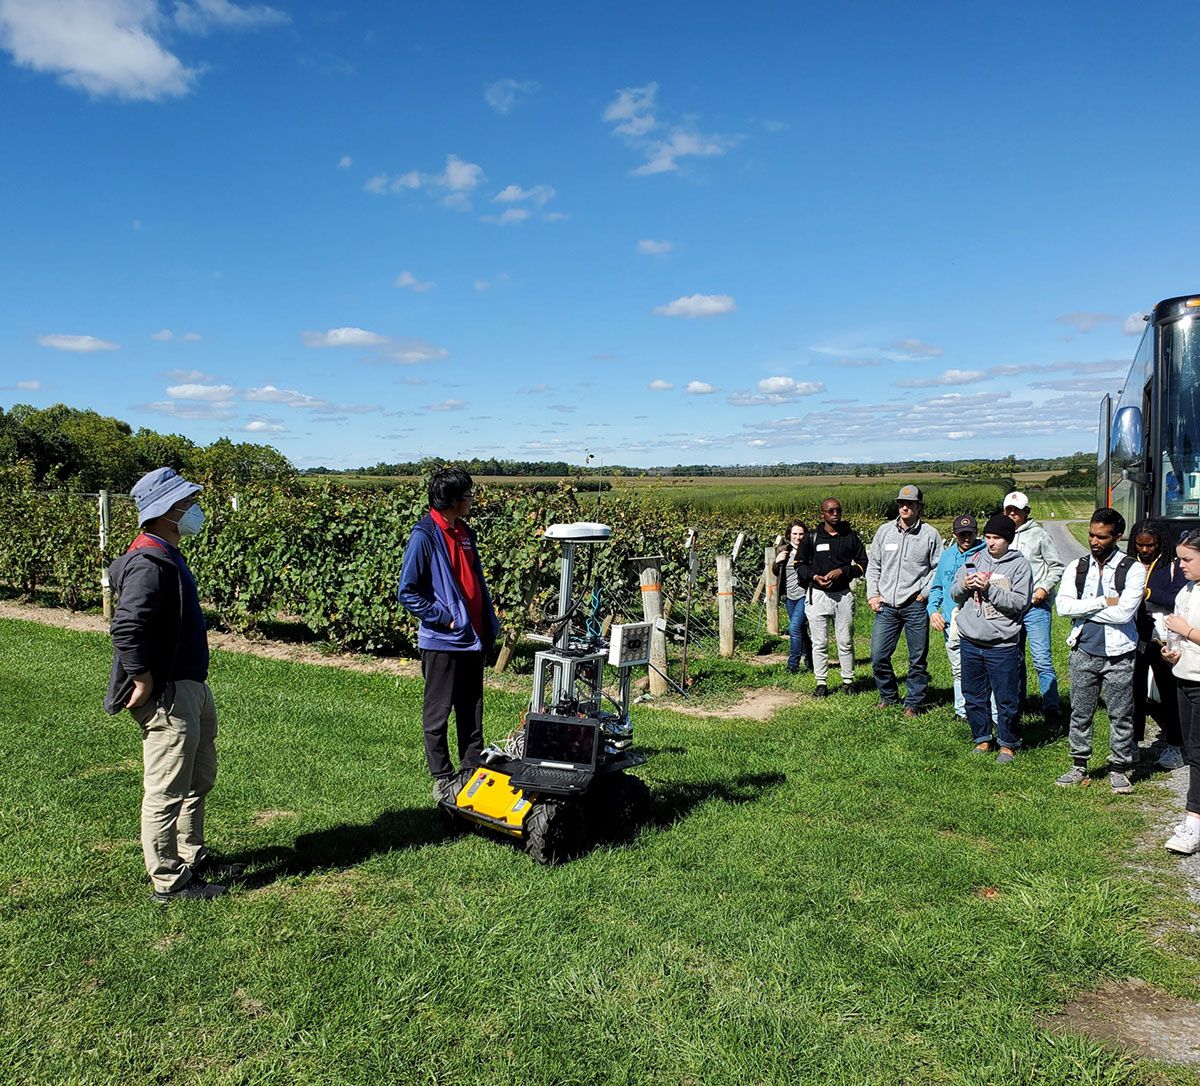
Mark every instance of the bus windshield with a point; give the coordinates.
(1181, 431)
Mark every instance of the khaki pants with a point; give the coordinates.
(179, 757)
(838, 605)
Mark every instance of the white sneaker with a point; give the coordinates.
(1186, 838)
(1171, 759)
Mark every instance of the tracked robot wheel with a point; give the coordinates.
(553, 831)
(620, 806)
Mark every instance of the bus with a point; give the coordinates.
(1148, 452)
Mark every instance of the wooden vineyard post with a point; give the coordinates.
(771, 595)
(106, 600)
(650, 578)
(725, 603)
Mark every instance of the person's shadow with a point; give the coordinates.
(345, 845)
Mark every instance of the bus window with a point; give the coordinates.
(1181, 431)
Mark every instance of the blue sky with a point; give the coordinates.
(671, 233)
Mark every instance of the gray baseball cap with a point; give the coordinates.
(158, 490)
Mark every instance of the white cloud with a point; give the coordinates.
(506, 94)
(949, 377)
(554, 216)
(213, 393)
(1134, 324)
(453, 186)
(29, 386)
(189, 377)
(776, 390)
(915, 348)
(959, 435)
(634, 117)
(482, 285)
(411, 350)
(104, 47)
(448, 405)
(697, 305)
(345, 162)
(1085, 322)
(343, 337)
(265, 426)
(654, 248)
(76, 344)
(659, 385)
(409, 281)
(510, 216)
(201, 16)
(700, 388)
(116, 47)
(287, 396)
(163, 336)
(192, 337)
(539, 195)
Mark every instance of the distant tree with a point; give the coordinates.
(225, 462)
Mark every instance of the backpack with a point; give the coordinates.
(1123, 567)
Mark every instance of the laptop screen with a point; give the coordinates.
(561, 739)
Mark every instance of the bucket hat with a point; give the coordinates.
(158, 490)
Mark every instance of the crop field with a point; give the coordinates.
(832, 896)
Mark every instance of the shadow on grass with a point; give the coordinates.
(339, 847)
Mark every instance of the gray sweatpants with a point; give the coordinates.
(1110, 677)
(840, 607)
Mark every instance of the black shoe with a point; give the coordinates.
(195, 889)
(847, 688)
(211, 867)
(822, 691)
(1053, 717)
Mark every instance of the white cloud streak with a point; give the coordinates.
(634, 116)
(454, 186)
(654, 248)
(342, 337)
(506, 94)
(408, 281)
(76, 344)
(698, 305)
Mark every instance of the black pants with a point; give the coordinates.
(453, 680)
(1167, 711)
(1189, 723)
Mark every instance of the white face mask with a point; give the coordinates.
(191, 522)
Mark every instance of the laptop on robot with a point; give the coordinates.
(560, 754)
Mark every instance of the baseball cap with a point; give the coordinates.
(158, 490)
(1017, 499)
(909, 493)
(965, 523)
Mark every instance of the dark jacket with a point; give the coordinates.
(429, 591)
(147, 622)
(1162, 586)
(822, 553)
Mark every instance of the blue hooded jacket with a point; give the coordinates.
(951, 561)
(429, 591)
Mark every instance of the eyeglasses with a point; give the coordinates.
(907, 505)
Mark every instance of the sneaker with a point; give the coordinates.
(1005, 756)
(445, 790)
(195, 889)
(911, 713)
(982, 748)
(822, 691)
(1121, 784)
(847, 688)
(212, 867)
(1075, 775)
(888, 705)
(1171, 759)
(1186, 838)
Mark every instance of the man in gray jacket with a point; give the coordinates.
(992, 590)
(900, 566)
(1034, 542)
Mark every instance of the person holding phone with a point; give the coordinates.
(795, 585)
(1182, 651)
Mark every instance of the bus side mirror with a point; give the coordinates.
(1127, 436)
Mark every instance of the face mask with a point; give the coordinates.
(192, 521)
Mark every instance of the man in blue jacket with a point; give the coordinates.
(442, 583)
(941, 605)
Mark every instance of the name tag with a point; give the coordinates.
(822, 546)
(891, 546)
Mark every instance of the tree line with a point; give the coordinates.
(87, 451)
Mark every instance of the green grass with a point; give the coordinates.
(831, 897)
(1066, 504)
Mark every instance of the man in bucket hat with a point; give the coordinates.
(900, 569)
(159, 674)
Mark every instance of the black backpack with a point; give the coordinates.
(1123, 567)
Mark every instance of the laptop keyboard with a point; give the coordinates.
(546, 776)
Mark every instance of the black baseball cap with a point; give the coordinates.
(965, 523)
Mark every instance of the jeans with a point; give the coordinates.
(1149, 659)
(801, 646)
(1037, 633)
(991, 674)
(1111, 676)
(913, 620)
(1188, 694)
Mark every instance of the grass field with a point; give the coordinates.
(835, 896)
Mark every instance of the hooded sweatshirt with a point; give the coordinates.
(993, 616)
(949, 564)
(1034, 542)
